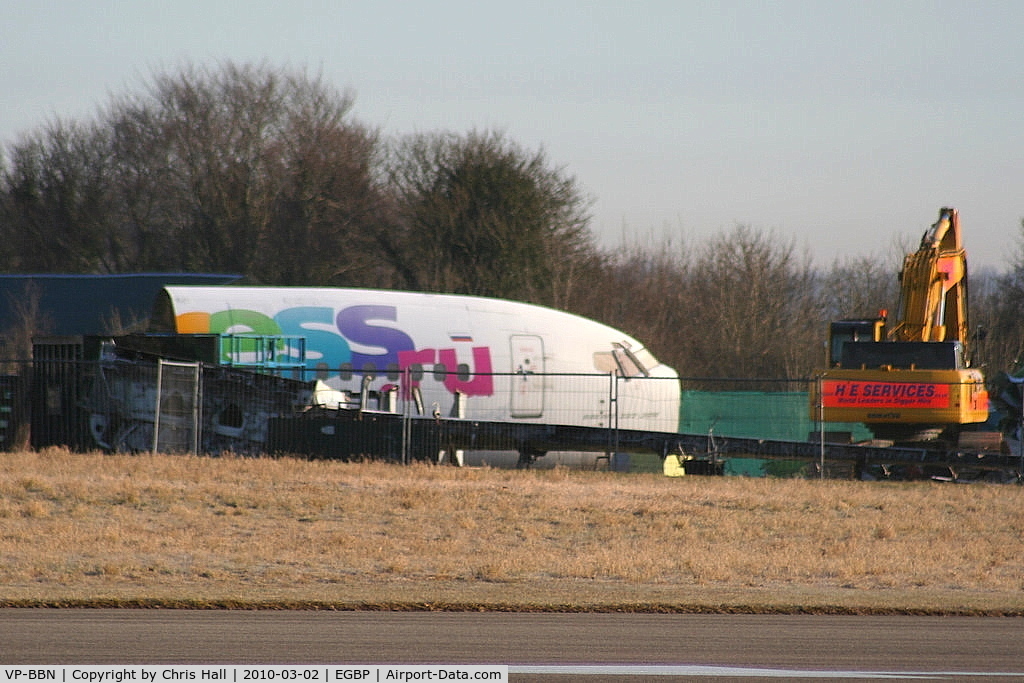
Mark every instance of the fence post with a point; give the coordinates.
(821, 426)
(197, 409)
(404, 394)
(156, 405)
(1020, 441)
(613, 415)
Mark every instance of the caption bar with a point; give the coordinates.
(199, 673)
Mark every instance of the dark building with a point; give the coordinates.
(64, 305)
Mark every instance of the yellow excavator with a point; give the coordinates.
(910, 380)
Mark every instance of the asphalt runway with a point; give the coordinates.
(536, 647)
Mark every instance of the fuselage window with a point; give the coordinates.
(322, 370)
(394, 372)
(440, 372)
(416, 372)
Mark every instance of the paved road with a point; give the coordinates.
(764, 646)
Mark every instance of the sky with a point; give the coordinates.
(838, 127)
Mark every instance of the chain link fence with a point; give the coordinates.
(133, 405)
(130, 404)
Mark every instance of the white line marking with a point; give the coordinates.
(705, 671)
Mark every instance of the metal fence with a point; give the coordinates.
(132, 405)
(140, 405)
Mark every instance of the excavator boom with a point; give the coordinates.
(933, 286)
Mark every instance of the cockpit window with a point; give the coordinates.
(646, 360)
(605, 362)
(624, 361)
(627, 363)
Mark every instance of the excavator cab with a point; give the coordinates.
(861, 330)
(946, 355)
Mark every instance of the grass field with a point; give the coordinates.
(93, 529)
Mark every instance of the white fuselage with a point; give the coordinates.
(505, 360)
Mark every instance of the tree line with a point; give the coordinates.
(265, 172)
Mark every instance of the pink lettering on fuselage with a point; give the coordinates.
(475, 380)
(481, 384)
(357, 339)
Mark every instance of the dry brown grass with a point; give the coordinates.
(173, 530)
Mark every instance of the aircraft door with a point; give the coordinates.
(528, 381)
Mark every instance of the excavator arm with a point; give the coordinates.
(933, 287)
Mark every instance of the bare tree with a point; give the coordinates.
(262, 171)
(753, 311)
(861, 287)
(997, 316)
(480, 215)
(330, 206)
(743, 304)
(243, 169)
(54, 201)
(641, 288)
(28, 320)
